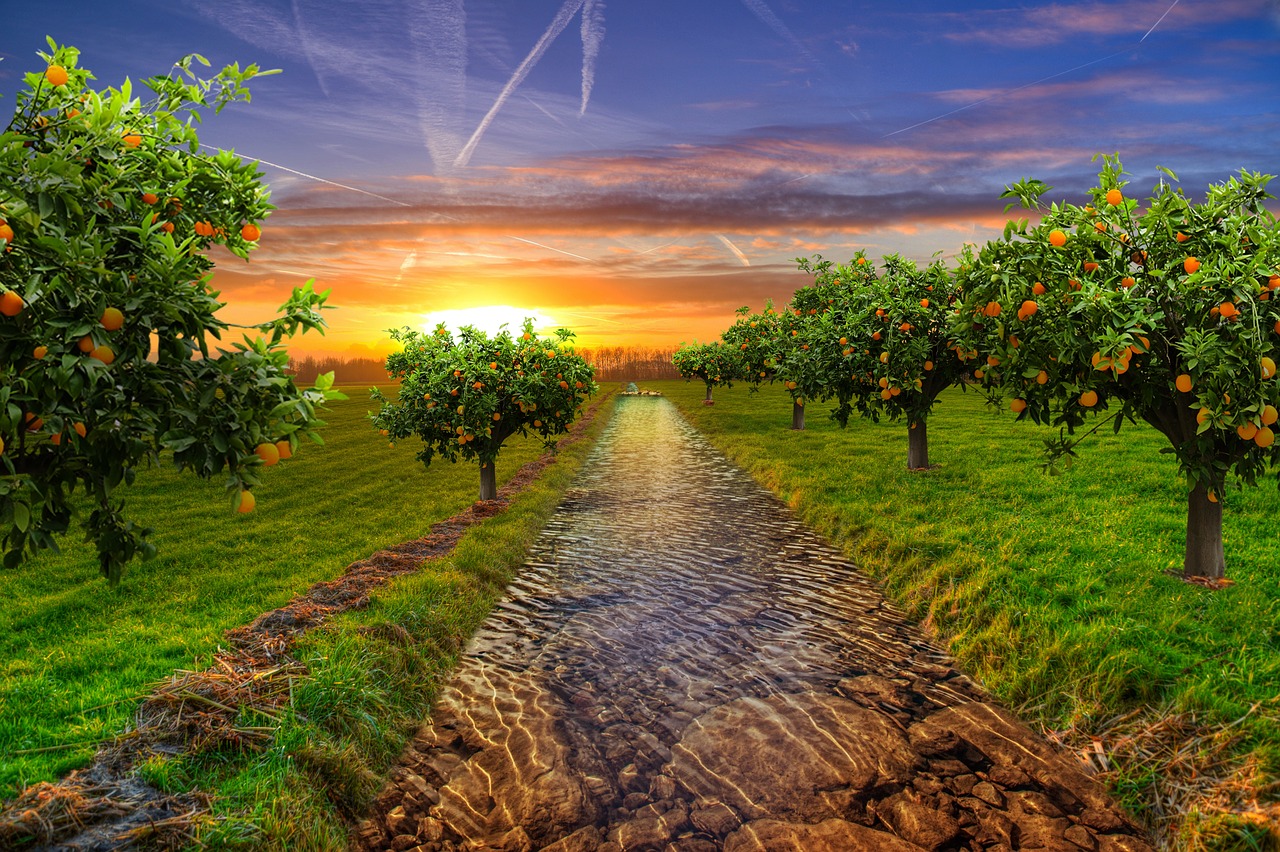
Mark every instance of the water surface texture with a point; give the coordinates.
(682, 665)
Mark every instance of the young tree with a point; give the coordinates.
(761, 342)
(1167, 314)
(107, 206)
(877, 342)
(465, 397)
(714, 364)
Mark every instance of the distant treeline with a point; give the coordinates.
(613, 363)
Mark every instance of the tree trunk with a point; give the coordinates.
(917, 447)
(1204, 556)
(708, 400)
(797, 415)
(488, 481)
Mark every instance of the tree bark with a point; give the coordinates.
(488, 481)
(917, 446)
(708, 400)
(797, 415)
(1204, 556)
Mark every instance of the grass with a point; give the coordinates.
(75, 654)
(1052, 591)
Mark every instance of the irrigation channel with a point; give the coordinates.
(682, 665)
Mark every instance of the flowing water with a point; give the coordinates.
(683, 665)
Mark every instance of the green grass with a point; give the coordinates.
(1052, 591)
(75, 654)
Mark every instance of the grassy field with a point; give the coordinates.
(76, 654)
(1053, 591)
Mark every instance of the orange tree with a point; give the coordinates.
(714, 364)
(877, 342)
(761, 343)
(464, 397)
(1168, 314)
(106, 316)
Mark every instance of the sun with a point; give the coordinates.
(488, 318)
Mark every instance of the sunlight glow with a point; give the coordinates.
(488, 318)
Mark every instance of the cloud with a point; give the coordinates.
(592, 36)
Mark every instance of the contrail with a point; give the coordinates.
(313, 177)
(438, 35)
(592, 36)
(1157, 23)
(1004, 93)
(561, 20)
(742, 257)
(1035, 83)
(762, 11)
(306, 48)
(550, 248)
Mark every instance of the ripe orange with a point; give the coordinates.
(1089, 399)
(928, 365)
(884, 383)
(105, 354)
(56, 439)
(992, 309)
(167, 227)
(886, 394)
(1057, 238)
(993, 361)
(905, 327)
(150, 198)
(862, 261)
(251, 232)
(537, 424)
(1183, 383)
(40, 352)
(1127, 282)
(894, 391)
(497, 415)
(924, 303)
(268, 453)
(56, 75)
(564, 385)
(1114, 198)
(1181, 237)
(1268, 367)
(1247, 431)
(1277, 325)
(884, 357)
(844, 341)
(85, 344)
(284, 449)
(1265, 437)
(1269, 415)
(131, 140)
(1028, 308)
(6, 233)
(1, 445)
(1228, 310)
(112, 319)
(1042, 377)
(1090, 266)
(11, 304)
(1191, 264)
(1037, 288)
(1017, 406)
(876, 336)
(247, 502)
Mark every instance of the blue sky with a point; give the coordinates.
(638, 170)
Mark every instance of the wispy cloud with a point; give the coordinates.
(761, 10)
(592, 37)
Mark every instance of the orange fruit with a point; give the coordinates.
(537, 424)
(1181, 237)
(86, 344)
(884, 383)
(1017, 406)
(1100, 226)
(1127, 282)
(1183, 383)
(564, 385)
(112, 319)
(247, 502)
(167, 227)
(1042, 377)
(1037, 288)
(1277, 325)
(928, 365)
(886, 394)
(1265, 437)
(876, 336)
(497, 416)
(40, 352)
(80, 429)
(894, 391)
(1114, 198)
(11, 304)
(1228, 310)
(268, 452)
(1268, 367)
(1213, 498)
(1, 445)
(924, 303)
(884, 357)
(862, 261)
(6, 233)
(1029, 308)
(150, 198)
(56, 75)
(992, 309)
(251, 232)
(1269, 415)
(284, 449)
(1089, 399)
(1247, 431)
(1057, 238)
(1090, 266)
(977, 374)
(131, 140)
(105, 354)
(993, 361)
(1191, 264)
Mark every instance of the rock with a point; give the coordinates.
(635, 800)
(1031, 802)
(430, 830)
(1082, 837)
(1040, 832)
(1104, 821)
(585, 839)
(715, 818)
(961, 785)
(1004, 741)
(662, 787)
(397, 820)
(832, 835)
(403, 841)
(995, 828)
(916, 822)
(803, 756)
(987, 793)
(1121, 843)
(870, 690)
(1009, 778)
(650, 830)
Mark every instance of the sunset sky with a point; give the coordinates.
(636, 170)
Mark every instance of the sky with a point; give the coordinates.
(635, 170)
